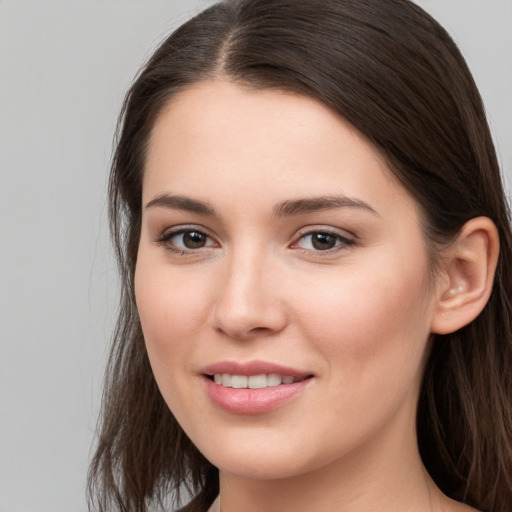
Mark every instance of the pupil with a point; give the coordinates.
(194, 240)
(323, 241)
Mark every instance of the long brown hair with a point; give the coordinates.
(395, 74)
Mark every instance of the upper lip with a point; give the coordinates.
(252, 368)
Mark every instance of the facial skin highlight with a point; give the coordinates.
(274, 235)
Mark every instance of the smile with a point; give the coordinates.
(253, 387)
(253, 381)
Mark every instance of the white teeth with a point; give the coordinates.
(239, 381)
(257, 381)
(252, 382)
(274, 379)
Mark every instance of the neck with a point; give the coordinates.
(323, 492)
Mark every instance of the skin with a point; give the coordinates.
(357, 316)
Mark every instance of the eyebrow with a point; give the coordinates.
(315, 204)
(285, 209)
(182, 203)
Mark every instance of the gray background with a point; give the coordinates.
(65, 66)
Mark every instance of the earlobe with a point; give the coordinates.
(467, 276)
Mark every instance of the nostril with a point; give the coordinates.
(258, 330)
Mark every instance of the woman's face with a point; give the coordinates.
(276, 246)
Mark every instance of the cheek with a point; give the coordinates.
(172, 308)
(372, 333)
(171, 311)
(370, 320)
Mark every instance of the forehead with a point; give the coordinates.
(215, 135)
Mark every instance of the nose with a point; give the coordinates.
(248, 301)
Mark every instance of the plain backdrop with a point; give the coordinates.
(64, 68)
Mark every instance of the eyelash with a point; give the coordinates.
(165, 239)
(341, 242)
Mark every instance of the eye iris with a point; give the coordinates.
(194, 240)
(323, 241)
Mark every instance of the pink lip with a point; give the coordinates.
(253, 401)
(251, 368)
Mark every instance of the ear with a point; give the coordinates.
(467, 275)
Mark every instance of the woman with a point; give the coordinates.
(316, 262)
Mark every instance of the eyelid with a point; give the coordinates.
(347, 239)
(165, 237)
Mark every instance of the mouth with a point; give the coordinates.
(253, 387)
(260, 381)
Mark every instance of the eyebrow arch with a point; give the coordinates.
(284, 209)
(314, 204)
(182, 203)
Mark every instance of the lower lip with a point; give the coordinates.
(253, 401)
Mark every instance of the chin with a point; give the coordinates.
(268, 457)
(266, 466)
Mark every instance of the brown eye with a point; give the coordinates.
(323, 241)
(318, 241)
(183, 240)
(194, 239)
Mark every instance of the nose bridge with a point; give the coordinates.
(248, 301)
